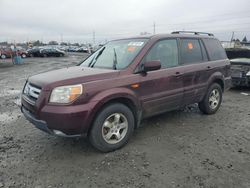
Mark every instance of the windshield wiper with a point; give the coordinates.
(114, 60)
(92, 63)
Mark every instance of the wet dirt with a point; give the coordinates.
(178, 149)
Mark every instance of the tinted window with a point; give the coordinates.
(215, 49)
(166, 51)
(190, 51)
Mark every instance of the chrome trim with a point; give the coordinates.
(31, 91)
(25, 98)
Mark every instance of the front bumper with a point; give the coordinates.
(240, 76)
(67, 120)
(42, 125)
(243, 81)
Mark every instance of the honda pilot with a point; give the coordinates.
(107, 95)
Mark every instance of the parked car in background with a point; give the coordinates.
(73, 48)
(63, 48)
(82, 49)
(8, 53)
(34, 52)
(22, 53)
(51, 53)
(233, 53)
(109, 93)
(240, 68)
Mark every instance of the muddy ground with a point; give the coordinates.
(178, 149)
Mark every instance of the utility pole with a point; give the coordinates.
(94, 38)
(232, 40)
(232, 36)
(154, 28)
(61, 35)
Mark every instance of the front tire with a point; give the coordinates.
(212, 100)
(112, 127)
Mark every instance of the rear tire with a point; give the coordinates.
(112, 127)
(212, 100)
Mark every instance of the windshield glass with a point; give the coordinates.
(115, 54)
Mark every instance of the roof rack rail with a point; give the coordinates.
(193, 32)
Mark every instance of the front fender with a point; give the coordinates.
(106, 96)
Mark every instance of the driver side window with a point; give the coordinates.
(166, 51)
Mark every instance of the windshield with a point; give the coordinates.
(115, 54)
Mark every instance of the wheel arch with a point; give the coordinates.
(124, 99)
(218, 78)
(220, 82)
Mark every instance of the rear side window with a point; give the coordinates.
(190, 51)
(215, 49)
(166, 51)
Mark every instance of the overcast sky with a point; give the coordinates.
(75, 20)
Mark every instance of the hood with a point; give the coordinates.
(71, 75)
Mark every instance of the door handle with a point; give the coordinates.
(208, 68)
(177, 74)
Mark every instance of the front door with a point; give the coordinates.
(162, 90)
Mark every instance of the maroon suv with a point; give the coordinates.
(107, 95)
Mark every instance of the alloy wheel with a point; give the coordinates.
(214, 98)
(114, 128)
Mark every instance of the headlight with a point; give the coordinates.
(65, 94)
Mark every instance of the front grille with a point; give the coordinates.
(31, 92)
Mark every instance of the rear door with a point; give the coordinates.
(193, 57)
(218, 61)
(162, 90)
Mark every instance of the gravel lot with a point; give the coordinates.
(178, 149)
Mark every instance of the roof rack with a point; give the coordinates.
(193, 32)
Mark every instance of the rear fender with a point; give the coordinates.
(214, 78)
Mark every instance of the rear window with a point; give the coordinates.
(191, 51)
(215, 49)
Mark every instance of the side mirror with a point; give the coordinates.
(151, 66)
